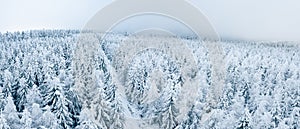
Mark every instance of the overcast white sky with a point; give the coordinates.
(235, 19)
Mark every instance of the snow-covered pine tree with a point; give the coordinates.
(170, 95)
(49, 119)
(85, 120)
(101, 107)
(262, 117)
(33, 97)
(16, 73)
(74, 107)
(192, 121)
(245, 120)
(83, 64)
(88, 88)
(118, 120)
(26, 119)
(169, 114)
(295, 120)
(21, 94)
(3, 123)
(2, 99)
(94, 84)
(62, 112)
(163, 111)
(109, 100)
(58, 102)
(29, 74)
(11, 114)
(45, 77)
(7, 84)
(36, 115)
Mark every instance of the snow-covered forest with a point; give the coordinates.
(42, 87)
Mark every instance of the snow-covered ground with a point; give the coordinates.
(44, 85)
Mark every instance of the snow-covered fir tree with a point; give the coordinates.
(7, 83)
(11, 115)
(49, 119)
(36, 115)
(21, 93)
(2, 100)
(58, 102)
(3, 122)
(96, 88)
(261, 87)
(26, 119)
(85, 120)
(33, 97)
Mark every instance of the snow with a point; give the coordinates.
(173, 85)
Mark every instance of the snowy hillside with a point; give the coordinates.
(42, 85)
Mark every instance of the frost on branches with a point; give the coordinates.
(50, 80)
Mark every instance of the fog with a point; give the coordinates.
(233, 19)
